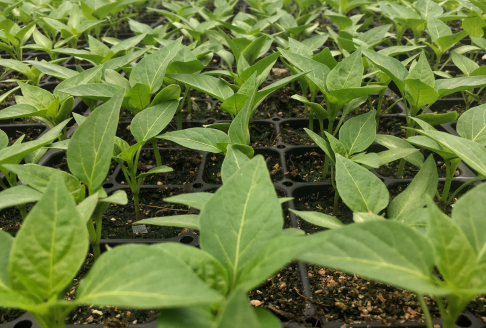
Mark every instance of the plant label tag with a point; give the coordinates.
(139, 229)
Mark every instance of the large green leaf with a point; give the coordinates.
(272, 257)
(204, 83)
(422, 71)
(467, 214)
(204, 139)
(358, 133)
(317, 71)
(419, 93)
(390, 66)
(51, 246)
(447, 86)
(471, 152)
(96, 91)
(151, 69)
(466, 65)
(21, 110)
(233, 161)
(392, 142)
(414, 196)
(472, 124)
(187, 317)
(319, 219)
(142, 276)
(92, 75)
(6, 241)
(347, 73)
(235, 227)
(237, 312)
(382, 250)
(18, 195)
(454, 255)
(151, 121)
(90, 149)
(361, 190)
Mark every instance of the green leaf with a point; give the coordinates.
(234, 104)
(233, 229)
(164, 277)
(151, 121)
(472, 124)
(22, 110)
(203, 264)
(466, 65)
(361, 190)
(237, 312)
(390, 66)
(151, 69)
(445, 42)
(51, 246)
(276, 253)
(92, 75)
(360, 217)
(6, 241)
(233, 161)
(422, 71)
(471, 152)
(39, 177)
(336, 145)
(414, 196)
(203, 139)
(370, 160)
(436, 119)
(187, 317)
(358, 133)
(394, 154)
(53, 70)
(323, 144)
(396, 50)
(454, 255)
(87, 207)
(190, 221)
(392, 142)
(204, 83)
(347, 73)
(420, 94)
(252, 51)
(467, 214)
(91, 146)
(36, 96)
(119, 197)
(447, 86)
(18, 195)
(96, 91)
(319, 219)
(437, 29)
(196, 200)
(138, 96)
(383, 250)
(171, 92)
(155, 170)
(238, 132)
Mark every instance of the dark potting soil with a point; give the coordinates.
(112, 317)
(281, 294)
(185, 164)
(203, 110)
(296, 135)
(279, 101)
(393, 126)
(459, 108)
(321, 201)
(262, 135)
(8, 314)
(118, 219)
(306, 167)
(31, 133)
(212, 172)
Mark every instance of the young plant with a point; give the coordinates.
(14, 154)
(418, 88)
(469, 147)
(35, 276)
(144, 127)
(355, 136)
(422, 263)
(13, 38)
(257, 247)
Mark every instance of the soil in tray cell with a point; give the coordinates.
(338, 296)
(293, 133)
(185, 164)
(112, 317)
(442, 107)
(281, 294)
(320, 199)
(212, 172)
(203, 110)
(118, 219)
(31, 133)
(392, 125)
(307, 166)
(262, 134)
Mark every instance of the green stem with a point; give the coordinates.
(464, 185)
(325, 168)
(158, 158)
(447, 184)
(136, 205)
(425, 309)
(188, 98)
(336, 202)
(23, 211)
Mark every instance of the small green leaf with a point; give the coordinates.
(151, 121)
(233, 161)
(196, 200)
(361, 190)
(319, 219)
(358, 133)
(204, 83)
(472, 124)
(190, 221)
(203, 139)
